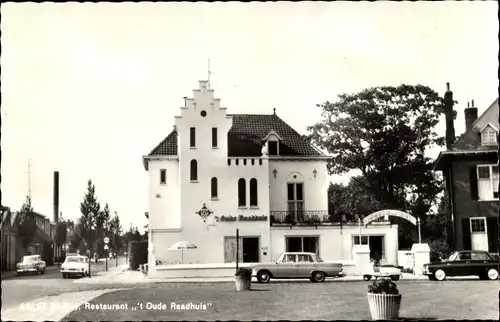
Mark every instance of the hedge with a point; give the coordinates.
(137, 253)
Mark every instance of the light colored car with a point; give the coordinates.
(75, 266)
(297, 265)
(392, 271)
(31, 264)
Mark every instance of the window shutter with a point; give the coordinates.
(473, 183)
(492, 229)
(466, 234)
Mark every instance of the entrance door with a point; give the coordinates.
(250, 249)
(376, 244)
(479, 237)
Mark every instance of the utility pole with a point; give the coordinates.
(29, 183)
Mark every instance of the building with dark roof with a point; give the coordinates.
(470, 171)
(217, 172)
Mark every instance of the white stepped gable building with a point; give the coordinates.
(216, 172)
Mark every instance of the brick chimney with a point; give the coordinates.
(448, 111)
(470, 115)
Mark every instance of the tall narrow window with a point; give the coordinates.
(192, 137)
(242, 193)
(253, 192)
(194, 170)
(214, 137)
(295, 201)
(272, 147)
(163, 176)
(213, 188)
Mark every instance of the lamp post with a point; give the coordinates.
(419, 233)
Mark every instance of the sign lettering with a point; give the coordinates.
(389, 212)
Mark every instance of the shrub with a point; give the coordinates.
(137, 253)
(383, 286)
(244, 273)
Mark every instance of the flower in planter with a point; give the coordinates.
(244, 273)
(383, 286)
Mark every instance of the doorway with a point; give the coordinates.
(377, 249)
(250, 249)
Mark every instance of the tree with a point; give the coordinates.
(76, 239)
(27, 224)
(102, 227)
(347, 201)
(61, 233)
(115, 230)
(383, 133)
(90, 210)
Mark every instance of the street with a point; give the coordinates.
(19, 289)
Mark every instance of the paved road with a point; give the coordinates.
(19, 289)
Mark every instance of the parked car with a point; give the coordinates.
(75, 266)
(31, 264)
(297, 265)
(463, 263)
(383, 270)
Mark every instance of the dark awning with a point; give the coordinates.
(446, 157)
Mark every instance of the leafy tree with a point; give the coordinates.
(383, 133)
(27, 224)
(75, 239)
(115, 230)
(347, 201)
(90, 210)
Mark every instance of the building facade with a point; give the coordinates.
(470, 169)
(217, 172)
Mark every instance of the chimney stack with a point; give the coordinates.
(56, 196)
(448, 111)
(470, 115)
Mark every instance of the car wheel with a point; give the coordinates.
(318, 276)
(492, 274)
(395, 277)
(263, 277)
(367, 277)
(440, 275)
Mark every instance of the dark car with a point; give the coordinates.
(463, 263)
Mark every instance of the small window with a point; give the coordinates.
(290, 258)
(364, 240)
(272, 147)
(253, 192)
(194, 170)
(483, 172)
(305, 258)
(463, 256)
(214, 137)
(192, 137)
(477, 225)
(475, 256)
(489, 136)
(242, 194)
(213, 188)
(163, 176)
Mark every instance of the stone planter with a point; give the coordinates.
(243, 283)
(384, 306)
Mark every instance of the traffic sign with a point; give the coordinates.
(106, 247)
(106, 240)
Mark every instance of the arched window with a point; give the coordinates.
(253, 192)
(213, 188)
(242, 193)
(194, 170)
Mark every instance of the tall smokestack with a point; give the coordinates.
(56, 196)
(449, 113)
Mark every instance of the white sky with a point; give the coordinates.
(88, 89)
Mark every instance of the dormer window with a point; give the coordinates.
(272, 148)
(272, 141)
(489, 135)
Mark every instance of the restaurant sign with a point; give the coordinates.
(389, 212)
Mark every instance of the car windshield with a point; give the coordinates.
(452, 256)
(74, 260)
(28, 259)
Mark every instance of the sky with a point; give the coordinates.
(89, 88)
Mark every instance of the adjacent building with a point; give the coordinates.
(215, 173)
(470, 170)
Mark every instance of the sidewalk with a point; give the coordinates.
(122, 275)
(10, 274)
(51, 308)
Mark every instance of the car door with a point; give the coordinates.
(479, 263)
(288, 268)
(304, 265)
(460, 266)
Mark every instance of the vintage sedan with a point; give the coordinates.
(75, 266)
(463, 263)
(31, 264)
(297, 265)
